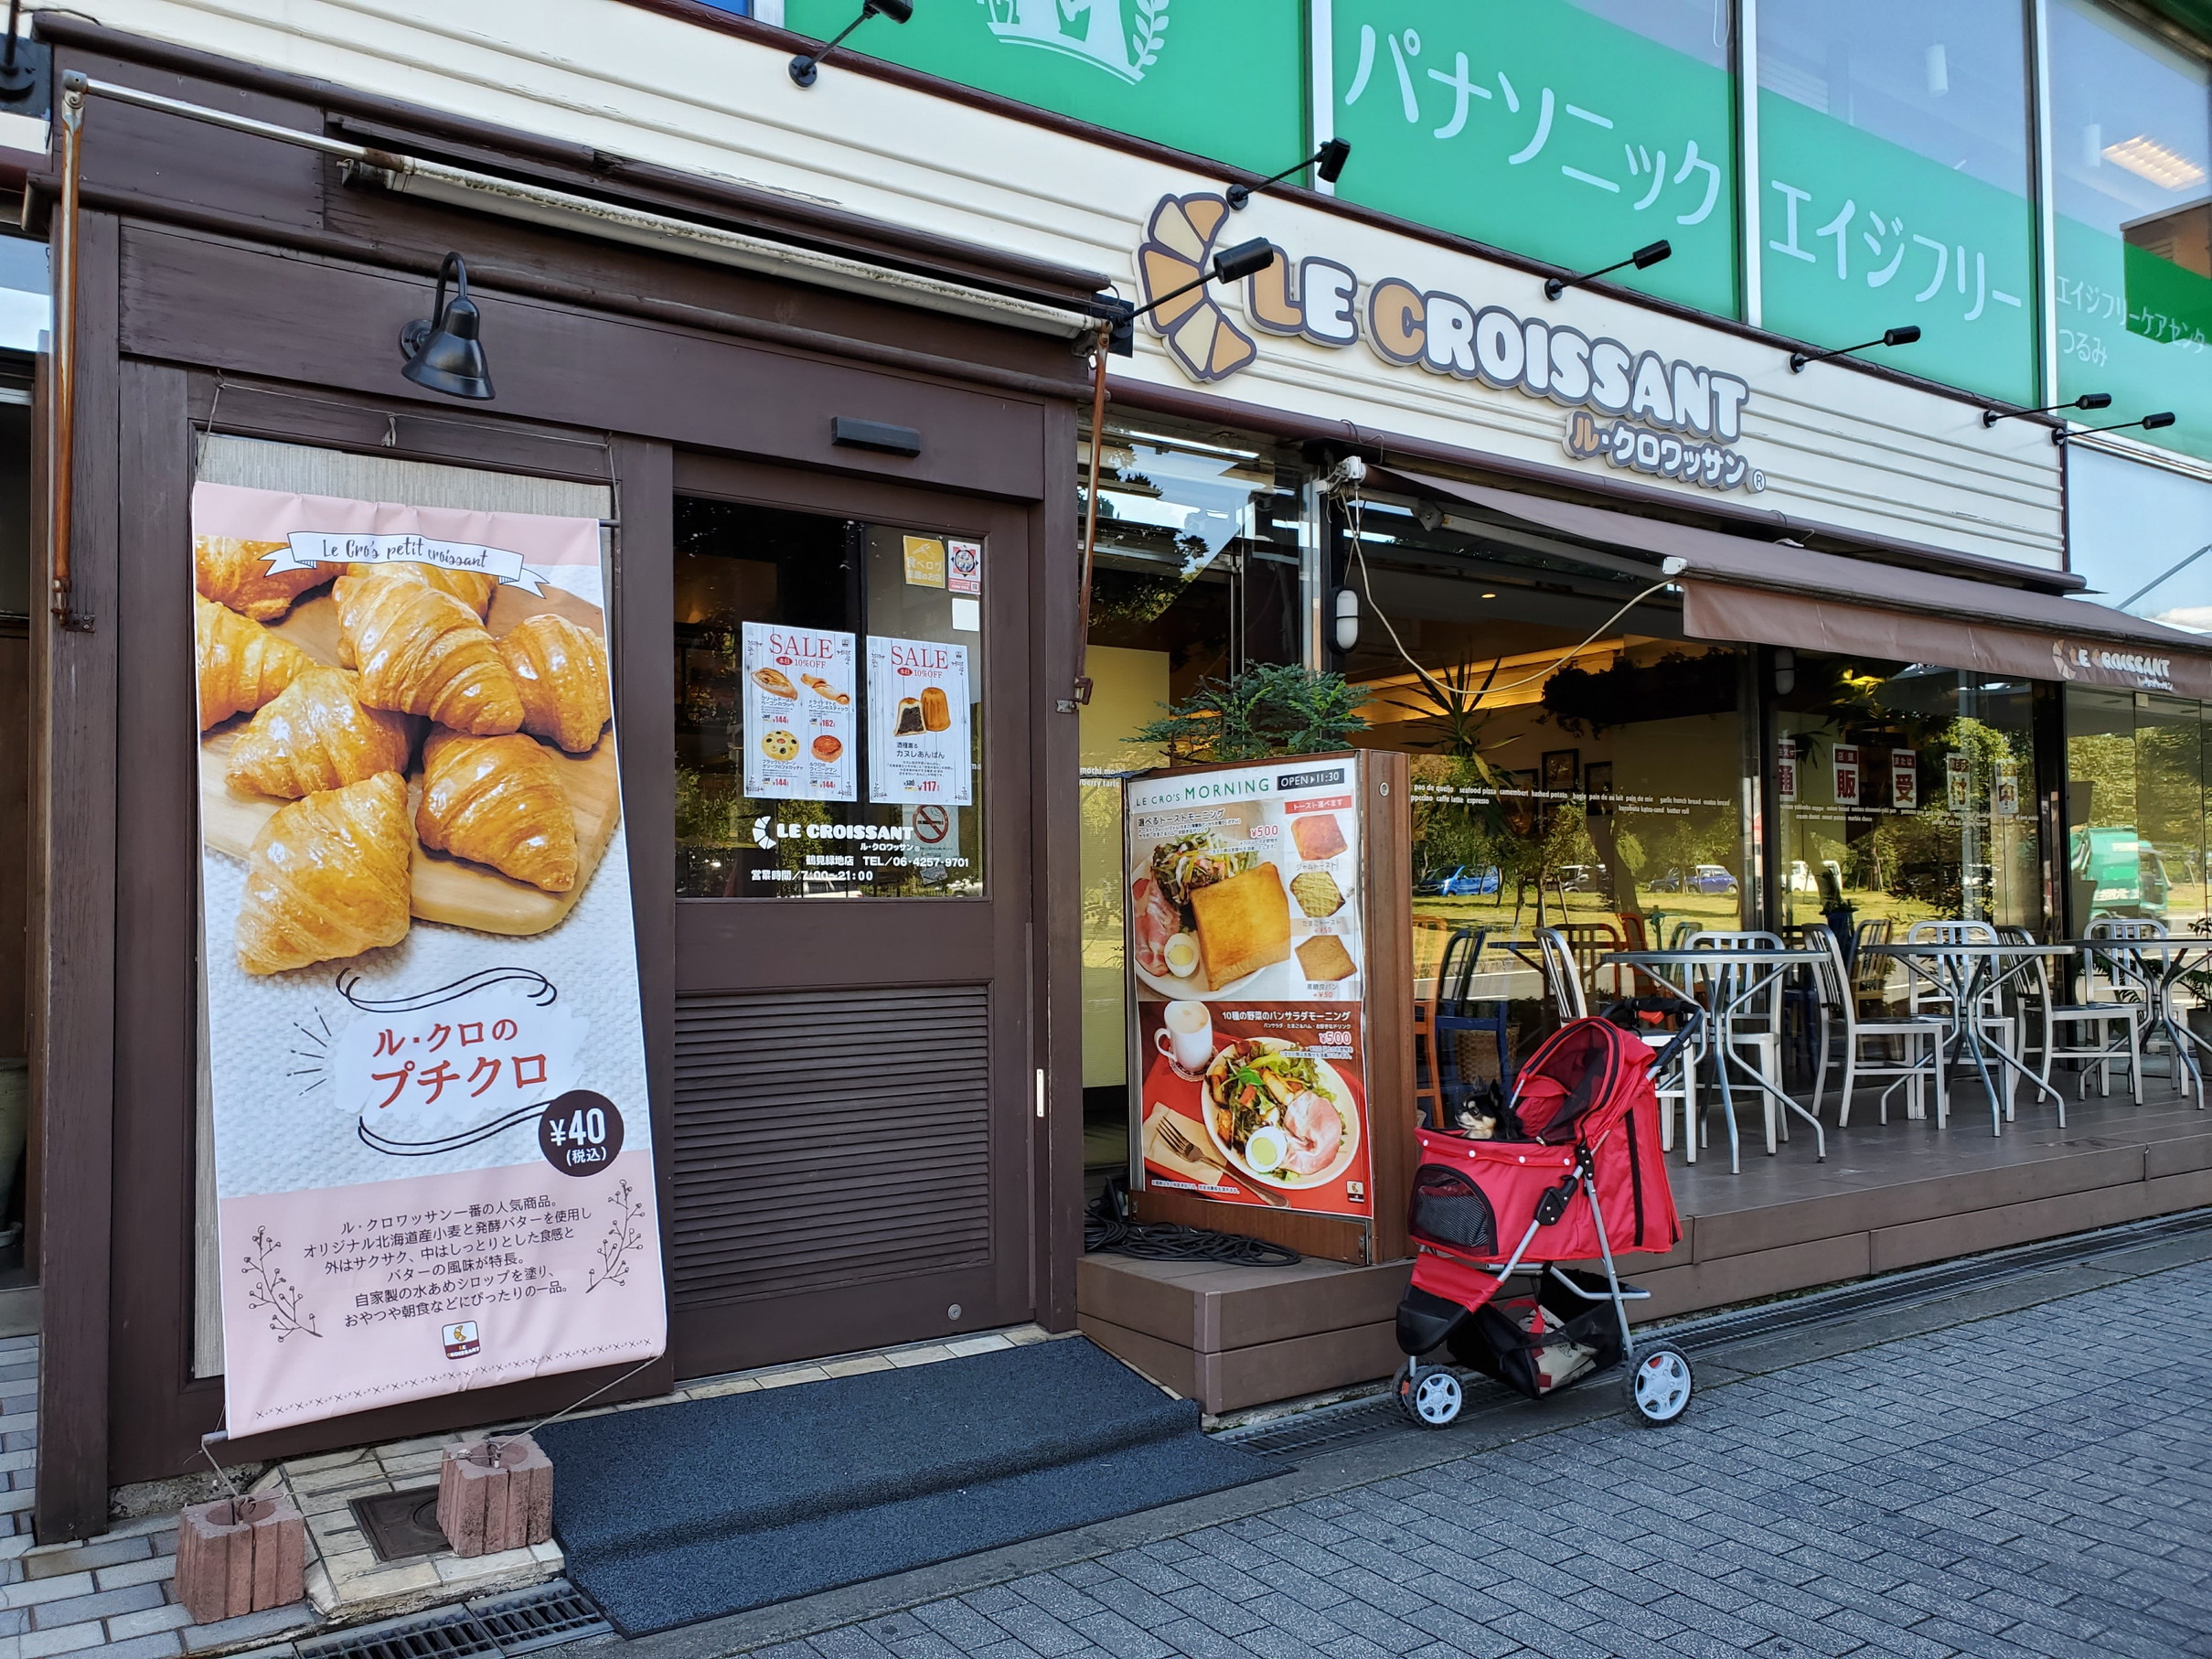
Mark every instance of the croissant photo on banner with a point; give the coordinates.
(433, 1156)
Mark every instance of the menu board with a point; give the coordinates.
(919, 743)
(1248, 956)
(798, 714)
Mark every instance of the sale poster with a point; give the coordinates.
(1248, 956)
(1905, 779)
(800, 725)
(1845, 763)
(432, 1149)
(919, 744)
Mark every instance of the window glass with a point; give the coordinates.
(1576, 132)
(1198, 574)
(2131, 157)
(2141, 536)
(828, 707)
(1893, 143)
(1567, 771)
(1906, 793)
(2135, 816)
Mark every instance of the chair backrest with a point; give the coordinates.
(1880, 930)
(1681, 932)
(1562, 975)
(1830, 974)
(2126, 928)
(1952, 933)
(1745, 939)
(1456, 975)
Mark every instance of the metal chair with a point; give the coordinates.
(1921, 1040)
(1588, 941)
(1562, 975)
(1458, 1014)
(2102, 1052)
(1995, 1022)
(1758, 1029)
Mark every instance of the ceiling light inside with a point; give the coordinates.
(2147, 158)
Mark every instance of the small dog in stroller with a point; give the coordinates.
(1582, 1175)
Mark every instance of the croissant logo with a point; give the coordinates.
(1198, 333)
(1124, 40)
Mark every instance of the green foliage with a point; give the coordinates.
(1266, 710)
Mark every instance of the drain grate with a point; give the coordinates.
(545, 1616)
(492, 1627)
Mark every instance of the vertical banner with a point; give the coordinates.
(1958, 782)
(1845, 763)
(1249, 956)
(1905, 779)
(1785, 768)
(434, 1153)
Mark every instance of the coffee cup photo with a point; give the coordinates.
(1186, 1036)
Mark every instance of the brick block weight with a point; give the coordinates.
(238, 1556)
(487, 1503)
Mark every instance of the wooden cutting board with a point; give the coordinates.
(447, 889)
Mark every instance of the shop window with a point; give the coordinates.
(1893, 150)
(829, 711)
(1903, 794)
(1200, 537)
(2135, 809)
(1567, 771)
(2131, 164)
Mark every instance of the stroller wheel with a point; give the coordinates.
(1659, 1384)
(1429, 1398)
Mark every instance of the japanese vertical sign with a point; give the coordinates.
(1843, 759)
(432, 1149)
(1905, 779)
(1248, 956)
(1785, 768)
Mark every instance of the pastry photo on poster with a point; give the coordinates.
(1248, 955)
(919, 722)
(798, 692)
(432, 1145)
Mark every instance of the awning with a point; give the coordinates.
(1737, 589)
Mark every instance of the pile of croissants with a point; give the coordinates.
(328, 876)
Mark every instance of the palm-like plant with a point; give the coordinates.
(1259, 712)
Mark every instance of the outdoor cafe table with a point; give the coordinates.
(1966, 974)
(1736, 976)
(2159, 966)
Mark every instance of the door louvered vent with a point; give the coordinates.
(828, 1138)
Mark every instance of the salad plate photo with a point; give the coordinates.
(1283, 1119)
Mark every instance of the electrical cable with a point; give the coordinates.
(1107, 1230)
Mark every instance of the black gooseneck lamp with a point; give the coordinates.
(18, 76)
(2088, 400)
(804, 66)
(1327, 164)
(1230, 265)
(2150, 422)
(444, 351)
(1643, 258)
(1890, 336)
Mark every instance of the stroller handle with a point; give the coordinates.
(1691, 1014)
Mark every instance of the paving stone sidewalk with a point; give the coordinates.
(2036, 1485)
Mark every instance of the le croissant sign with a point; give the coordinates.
(1628, 407)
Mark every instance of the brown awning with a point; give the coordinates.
(1738, 589)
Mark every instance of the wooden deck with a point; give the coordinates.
(1890, 1195)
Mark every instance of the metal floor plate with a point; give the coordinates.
(400, 1525)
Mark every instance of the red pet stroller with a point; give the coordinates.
(1585, 1177)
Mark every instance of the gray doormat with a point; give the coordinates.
(676, 1514)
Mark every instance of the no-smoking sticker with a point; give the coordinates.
(932, 824)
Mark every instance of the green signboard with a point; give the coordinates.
(2135, 326)
(1859, 235)
(1540, 128)
(1218, 78)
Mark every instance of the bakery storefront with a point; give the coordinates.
(806, 479)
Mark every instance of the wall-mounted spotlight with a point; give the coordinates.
(803, 67)
(1327, 164)
(1230, 265)
(2150, 422)
(2088, 400)
(1643, 258)
(442, 350)
(1890, 336)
